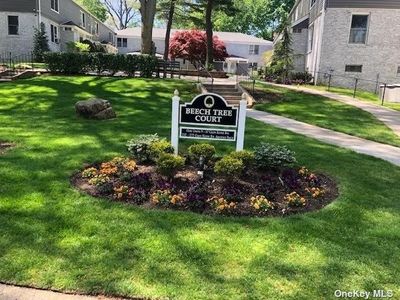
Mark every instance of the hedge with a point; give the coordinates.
(80, 63)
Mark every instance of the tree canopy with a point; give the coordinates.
(255, 17)
(191, 45)
(96, 7)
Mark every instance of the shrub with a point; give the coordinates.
(273, 156)
(169, 164)
(301, 77)
(77, 62)
(159, 147)
(78, 47)
(295, 200)
(139, 147)
(68, 63)
(229, 167)
(198, 150)
(247, 157)
(260, 203)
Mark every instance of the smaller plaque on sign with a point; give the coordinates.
(207, 134)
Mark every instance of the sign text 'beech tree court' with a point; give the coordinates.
(208, 110)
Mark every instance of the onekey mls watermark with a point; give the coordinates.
(358, 294)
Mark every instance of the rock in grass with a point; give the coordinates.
(95, 109)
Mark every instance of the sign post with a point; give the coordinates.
(208, 117)
(242, 123)
(175, 121)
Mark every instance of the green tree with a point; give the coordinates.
(282, 59)
(40, 43)
(199, 15)
(255, 17)
(96, 7)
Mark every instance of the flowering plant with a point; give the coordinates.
(315, 192)
(108, 168)
(221, 205)
(89, 172)
(260, 203)
(295, 200)
(121, 192)
(99, 179)
(165, 197)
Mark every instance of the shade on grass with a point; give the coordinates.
(326, 113)
(52, 236)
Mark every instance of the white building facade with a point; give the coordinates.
(348, 39)
(65, 21)
(243, 47)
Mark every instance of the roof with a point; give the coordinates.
(234, 37)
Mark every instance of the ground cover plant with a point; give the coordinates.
(53, 236)
(242, 183)
(323, 112)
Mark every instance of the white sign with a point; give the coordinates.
(208, 110)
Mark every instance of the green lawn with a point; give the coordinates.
(324, 112)
(52, 236)
(361, 95)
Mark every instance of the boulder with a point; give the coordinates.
(95, 109)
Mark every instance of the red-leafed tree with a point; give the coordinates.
(192, 45)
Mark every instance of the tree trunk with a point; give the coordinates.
(209, 33)
(147, 10)
(169, 25)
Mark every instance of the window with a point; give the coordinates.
(122, 42)
(354, 68)
(54, 34)
(297, 30)
(83, 19)
(97, 28)
(54, 5)
(358, 31)
(398, 70)
(312, 2)
(253, 65)
(254, 49)
(310, 41)
(13, 25)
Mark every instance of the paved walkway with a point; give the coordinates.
(388, 116)
(385, 152)
(10, 292)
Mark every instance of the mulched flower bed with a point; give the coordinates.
(255, 193)
(4, 146)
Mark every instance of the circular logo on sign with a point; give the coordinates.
(209, 102)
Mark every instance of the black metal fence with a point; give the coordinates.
(356, 85)
(11, 62)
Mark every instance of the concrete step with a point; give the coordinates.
(223, 91)
(5, 80)
(220, 86)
